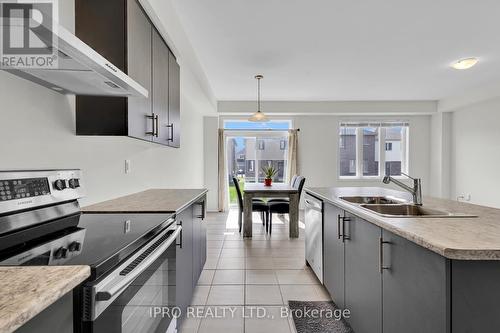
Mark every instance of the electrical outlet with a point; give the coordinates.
(464, 197)
(127, 166)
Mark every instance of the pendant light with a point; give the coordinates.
(258, 116)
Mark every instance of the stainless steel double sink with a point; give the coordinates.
(396, 208)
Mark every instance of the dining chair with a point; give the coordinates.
(292, 183)
(283, 207)
(258, 205)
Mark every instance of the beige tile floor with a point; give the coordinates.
(249, 274)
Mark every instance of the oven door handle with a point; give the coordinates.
(126, 280)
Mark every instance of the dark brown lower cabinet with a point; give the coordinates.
(200, 240)
(184, 260)
(190, 257)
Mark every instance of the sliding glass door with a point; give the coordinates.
(248, 153)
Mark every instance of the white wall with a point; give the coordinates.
(37, 130)
(475, 157)
(440, 158)
(369, 108)
(210, 147)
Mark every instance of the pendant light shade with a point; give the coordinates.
(258, 116)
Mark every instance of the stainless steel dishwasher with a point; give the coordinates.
(314, 234)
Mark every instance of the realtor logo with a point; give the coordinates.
(28, 34)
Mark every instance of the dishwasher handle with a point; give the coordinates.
(314, 204)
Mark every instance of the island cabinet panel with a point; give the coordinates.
(363, 281)
(333, 253)
(184, 259)
(475, 296)
(58, 317)
(415, 288)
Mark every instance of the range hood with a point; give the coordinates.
(80, 69)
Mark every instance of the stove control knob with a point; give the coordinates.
(61, 253)
(74, 183)
(60, 184)
(75, 246)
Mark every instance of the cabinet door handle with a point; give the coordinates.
(344, 235)
(338, 227)
(381, 266)
(180, 236)
(171, 135)
(153, 118)
(157, 126)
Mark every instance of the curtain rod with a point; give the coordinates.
(261, 130)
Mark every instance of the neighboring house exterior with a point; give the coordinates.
(393, 151)
(253, 154)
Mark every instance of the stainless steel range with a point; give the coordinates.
(132, 256)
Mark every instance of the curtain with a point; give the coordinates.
(222, 202)
(292, 168)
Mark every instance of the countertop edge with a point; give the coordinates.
(449, 253)
(12, 320)
(177, 210)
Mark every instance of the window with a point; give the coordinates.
(262, 145)
(251, 146)
(283, 144)
(279, 125)
(341, 142)
(251, 166)
(347, 151)
(370, 151)
(373, 149)
(396, 158)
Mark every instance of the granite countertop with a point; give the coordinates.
(461, 238)
(27, 291)
(150, 201)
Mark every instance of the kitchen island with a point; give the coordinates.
(411, 274)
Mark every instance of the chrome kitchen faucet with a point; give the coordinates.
(416, 191)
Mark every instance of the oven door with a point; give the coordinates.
(138, 296)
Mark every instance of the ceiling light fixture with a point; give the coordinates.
(258, 116)
(464, 63)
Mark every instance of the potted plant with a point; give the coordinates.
(269, 172)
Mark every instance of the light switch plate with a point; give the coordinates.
(127, 166)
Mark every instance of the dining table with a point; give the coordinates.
(276, 190)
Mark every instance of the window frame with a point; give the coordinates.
(405, 163)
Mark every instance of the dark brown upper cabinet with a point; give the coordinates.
(121, 31)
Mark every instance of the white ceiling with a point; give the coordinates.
(313, 50)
